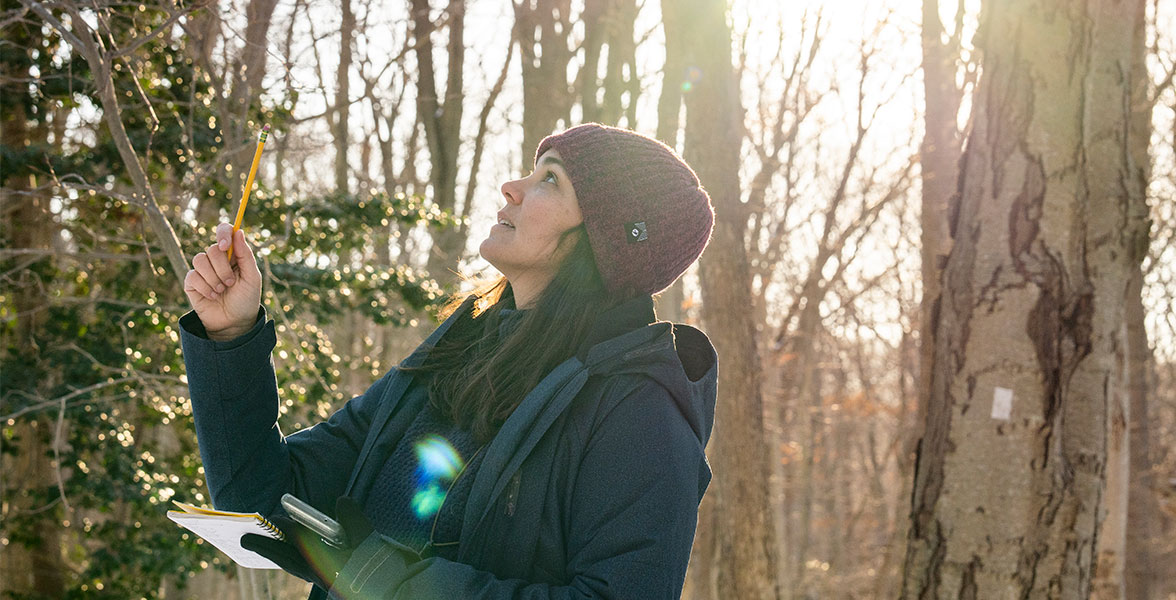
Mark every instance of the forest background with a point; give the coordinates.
(846, 144)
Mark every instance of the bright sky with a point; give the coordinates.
(894, 82)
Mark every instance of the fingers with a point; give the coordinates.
(220, 263)
(193, 282)
(212, 273)
(203, 267)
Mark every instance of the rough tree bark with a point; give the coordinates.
(1111, 544)
(1110, 580)
(939, 157)
(746, 564)
(1008, 490)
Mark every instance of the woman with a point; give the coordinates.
(546, 441)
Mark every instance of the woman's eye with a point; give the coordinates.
(550, 176)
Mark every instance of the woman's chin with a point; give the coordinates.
(488, 250)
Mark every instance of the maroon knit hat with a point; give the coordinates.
(646, 214)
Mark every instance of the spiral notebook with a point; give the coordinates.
(224, 529)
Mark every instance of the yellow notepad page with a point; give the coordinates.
(224, 529)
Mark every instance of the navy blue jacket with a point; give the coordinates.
(589, 490)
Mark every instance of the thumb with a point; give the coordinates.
(243, 254)
(224, 233)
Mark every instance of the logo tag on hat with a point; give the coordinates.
(636, 232)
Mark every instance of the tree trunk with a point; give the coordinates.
(442, 121)
(669, 102)
(342, 95)
(746, 565)
(248, 74)
(807, 390)
(608, 23)
(939, 157)
(1009, 480)
(35, 568)
(542, 29)
(700, 575)
(1108, 581)
(1145, 527)
(1142, 511)
(669, 105)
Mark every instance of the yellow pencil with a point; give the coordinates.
(248, 185)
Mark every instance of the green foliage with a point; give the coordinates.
(94, 405)
(338, 230)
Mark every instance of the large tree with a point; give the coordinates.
(1008, 491)
(746, 562)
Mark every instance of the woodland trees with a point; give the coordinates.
(921, 210)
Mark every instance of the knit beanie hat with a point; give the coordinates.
(646, 214)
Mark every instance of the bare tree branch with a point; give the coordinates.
(87, 42)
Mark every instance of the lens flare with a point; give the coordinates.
(438, 463)
(437, 459)
(426, 502)
(692, 76)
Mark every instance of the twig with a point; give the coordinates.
(171, 20)
(11, 252)
(57, 456)
(82, 391)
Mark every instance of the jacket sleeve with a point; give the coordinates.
(631, 523)
(248, 463)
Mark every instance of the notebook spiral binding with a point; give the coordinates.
(270, 527)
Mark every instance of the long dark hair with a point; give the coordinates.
(477, 379)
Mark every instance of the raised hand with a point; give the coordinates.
(225, 293)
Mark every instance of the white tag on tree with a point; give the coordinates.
(1002, 403)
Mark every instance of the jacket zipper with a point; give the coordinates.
(433, 529)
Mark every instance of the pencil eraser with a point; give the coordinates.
(265, 129)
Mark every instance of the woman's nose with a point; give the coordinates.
(512, 192)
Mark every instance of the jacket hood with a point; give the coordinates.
(629, 339)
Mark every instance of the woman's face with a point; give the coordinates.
(524, 243)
